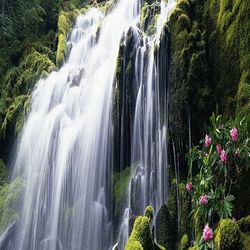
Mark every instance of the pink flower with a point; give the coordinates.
(237, 153)
(207, 233)
(206, 154)
(203, 200)
(218, 147)
(223, 156)
(189, 187)
(234, 134)
(208, 141)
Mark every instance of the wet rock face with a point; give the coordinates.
(124, 98)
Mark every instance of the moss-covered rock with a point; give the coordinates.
(64, 27)
(244, 224)
(120, 187)
(134, 245)
(65, 24)
(228, 236)
(165, 228)
(149, 212)
(140, 234)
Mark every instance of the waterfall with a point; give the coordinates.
(65, 154)
(148, 185)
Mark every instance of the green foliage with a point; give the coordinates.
(228, 236)
(216, 173)
(215, 177)
(140, 234)
(184, 244)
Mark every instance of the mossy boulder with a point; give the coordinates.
(134, 245)
(165, 228)
(228, 236)
(244, 224)
(149, 212)
(141, 233)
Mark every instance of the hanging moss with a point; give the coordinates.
(14, 115)
(65, 23)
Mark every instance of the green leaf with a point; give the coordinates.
(230, 197)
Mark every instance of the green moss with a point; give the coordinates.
(184, 244)
(120, 187)
(15, 115)
(149, 16)
(14, 105)
(134, 245)
(243, 98)
(244, 224)
(141, 233)
(228, 236)
(149, 212)
(3, 173)
(65, 21)
(245, 241)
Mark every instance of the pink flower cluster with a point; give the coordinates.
(208, 141)
(218, 148)
(207, 233)
(189, 187)
(223, 156)
(234, 134)
(222, 153)
(203, 200)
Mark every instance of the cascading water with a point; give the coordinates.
(65, 152)
(148, 185)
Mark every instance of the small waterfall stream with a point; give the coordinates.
(65, 154)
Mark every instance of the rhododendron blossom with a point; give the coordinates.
(234, 134)
(218, 148)
(189, 187)
(203, 200)
(207, 233)
(223, 156)
(208, 141)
